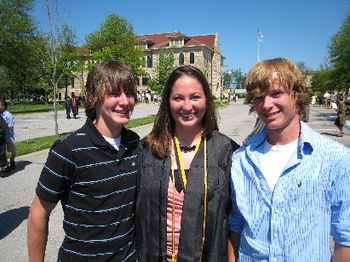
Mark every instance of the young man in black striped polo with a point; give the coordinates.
(92, 172)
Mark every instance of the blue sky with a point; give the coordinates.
(299, 30)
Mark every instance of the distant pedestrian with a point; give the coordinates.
(290, 185)
(10, 133)
(67, 105)
(74, 105)
(3, 157)
(341, 115)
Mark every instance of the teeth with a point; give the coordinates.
(187, 114)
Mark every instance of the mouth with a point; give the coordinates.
(125, 113)
(271, 114)
(187, 115)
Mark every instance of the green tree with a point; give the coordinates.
(237, 78)
(323, 80)
(61, 45)
(339, 52)
(18, 33)
(302, 67)
(115, 39)
(163, 69)
(227, 79)
(68, 62)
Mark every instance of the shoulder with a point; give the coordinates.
(130, 135)
(7, 115)
(217, 136)
(221, 140)
(146, 154)
(324, 148)
(70, 141)
(130, 139)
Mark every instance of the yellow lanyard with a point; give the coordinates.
(182, 169)
(184, 179)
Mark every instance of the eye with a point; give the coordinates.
(258, 99)
(276, 94)
(114, 94)
(196, 97)
(130, 94)
(176, 98)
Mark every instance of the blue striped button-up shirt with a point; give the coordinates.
(310, 201)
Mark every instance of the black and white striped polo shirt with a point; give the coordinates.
(96, 185)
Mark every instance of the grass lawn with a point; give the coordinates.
(27, 108)
(41, 143)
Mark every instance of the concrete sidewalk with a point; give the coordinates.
(29, 126)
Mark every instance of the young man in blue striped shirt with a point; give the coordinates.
(290, 185)
(92, 172)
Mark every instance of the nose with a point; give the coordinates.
(123, 99)
(187, 105)
(267, 102)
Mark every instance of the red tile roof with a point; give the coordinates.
(162, 39)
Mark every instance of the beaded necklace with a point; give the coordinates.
(176, 150)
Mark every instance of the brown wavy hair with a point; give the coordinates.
(259, 77)
(164, 126)
(104, 79)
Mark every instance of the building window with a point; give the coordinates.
(181, 59)
(149, 61)
(144, 81)
(191, 58)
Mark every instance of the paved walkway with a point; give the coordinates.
(28, 126)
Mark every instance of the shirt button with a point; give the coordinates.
(275, 236)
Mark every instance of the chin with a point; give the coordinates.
(122, 121)
(188, 124)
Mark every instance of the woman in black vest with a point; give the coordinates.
(183, 188)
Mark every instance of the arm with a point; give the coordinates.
(37, 228)
(233, 246)
(341, 253)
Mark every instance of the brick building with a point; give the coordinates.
(202, 51)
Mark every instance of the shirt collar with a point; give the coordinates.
(305, 143)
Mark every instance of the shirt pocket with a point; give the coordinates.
(307, 203)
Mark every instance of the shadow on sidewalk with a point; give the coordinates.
(329, 134)
(20, 165)
(11, 219)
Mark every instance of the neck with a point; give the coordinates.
(188, 137)
(107, 130)
(285, 135)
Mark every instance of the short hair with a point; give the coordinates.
(164, 125)
(104, 79)
(4, 103)
(259, 79)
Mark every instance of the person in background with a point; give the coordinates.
(74, 105)
(67, 105)
(341, 115)
(10, 134)
(183, 187)
(290, 185)
(93, 173)
(3, 157)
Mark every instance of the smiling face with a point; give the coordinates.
(278, 110)
(187, 103)
(113, 112)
